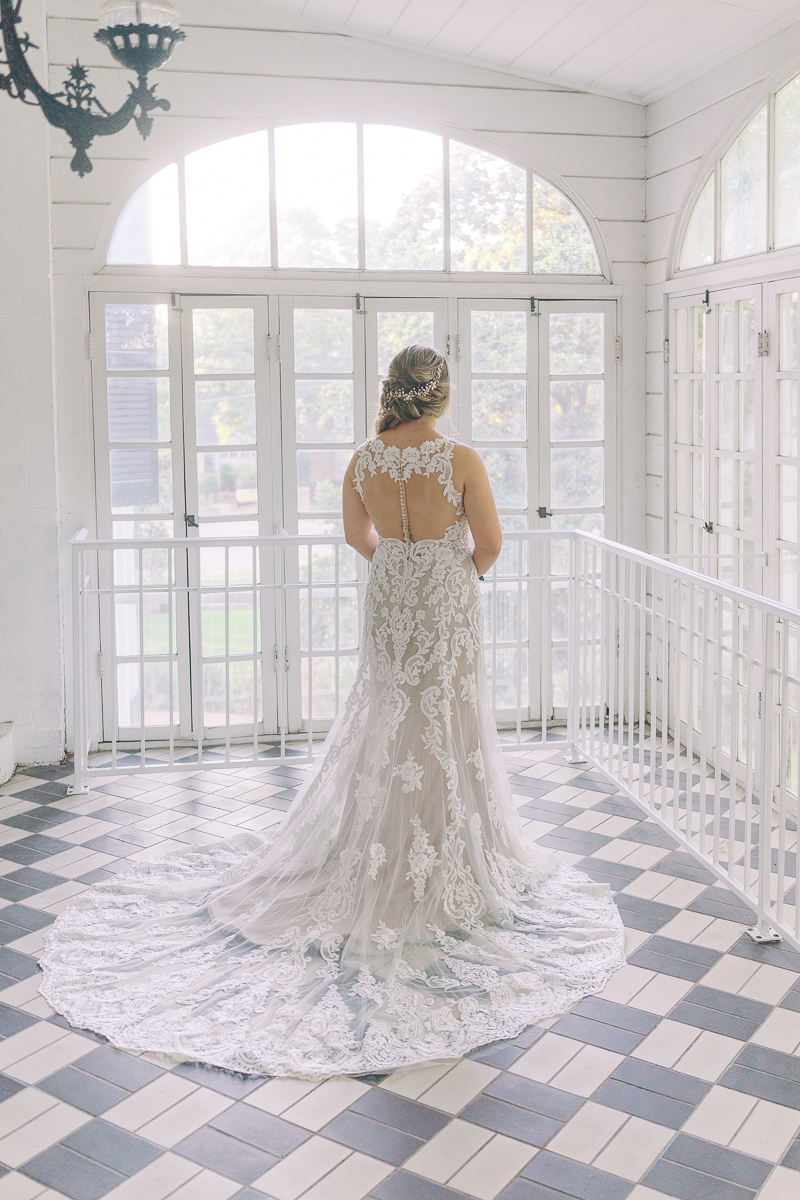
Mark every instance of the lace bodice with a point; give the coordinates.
(430, 461)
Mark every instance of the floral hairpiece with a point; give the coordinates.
(416, 393)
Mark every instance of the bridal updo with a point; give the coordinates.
(417, 385)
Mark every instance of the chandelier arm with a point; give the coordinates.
(78, 118)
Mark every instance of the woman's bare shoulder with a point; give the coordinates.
(466, 460)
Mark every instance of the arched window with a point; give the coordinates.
(347, 195)
(746, 207)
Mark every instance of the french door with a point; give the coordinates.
(236, 416)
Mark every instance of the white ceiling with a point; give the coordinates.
(639, 49)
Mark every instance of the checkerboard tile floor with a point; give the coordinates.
(682, 1079)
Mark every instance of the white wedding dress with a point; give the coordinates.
(398, 915)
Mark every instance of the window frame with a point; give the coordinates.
(184, 272)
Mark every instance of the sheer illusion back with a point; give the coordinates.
(399, 914)
(408, 491)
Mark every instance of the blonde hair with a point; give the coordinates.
(417, 384)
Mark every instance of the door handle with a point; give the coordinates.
(544, 511)
(190, 521)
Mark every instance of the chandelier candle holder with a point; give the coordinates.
(140, 36)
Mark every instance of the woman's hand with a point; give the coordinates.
(480, 508)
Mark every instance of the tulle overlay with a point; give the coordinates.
(397, 916)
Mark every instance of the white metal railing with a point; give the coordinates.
(221, 653)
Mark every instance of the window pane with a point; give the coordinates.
(223, 340)
(787, 323)
(403, 199)
(745, 389)
(683, 416)
(324, 410)
(138, 409)
(787, 164)
(576, 477)
(225, 412)
(746, 494)
(141, 481)
(698, 241)
(698, 412)
(239, 693)
(683, 482)
(227, 483)
(487, 211)
(323, 339)
(788, 574)
(499, 341)
(562, 243)
(508, 476)
(788, 494)
(576, 410)
(137, 337)
(787, 417)
(725, 491)
(744, 191)
(399, 329)
(725, 336)
(317, 195)
(227, 203)
(725, 420)
(319, 479)
(498, 409)
(576, 343)
(148, 229)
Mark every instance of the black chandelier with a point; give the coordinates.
(141, 36)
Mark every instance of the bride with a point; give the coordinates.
(398, 915)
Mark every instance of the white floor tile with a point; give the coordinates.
(43, 1131)
(295, 1173)
(780, 1031)
(588, 1132)
(719, 1115)
(546, 1057)
(625, 983)
(19, 1187)
(185, 1117)
(665, 1045)
(768, 1131)
(325, 1102)
(50, 1058)
(634, 1149)
(411, 1082)
(781, 1185)
(156, 1181)
(661, 994)
(206, 1186)
(590, 1067)
(28, 1041)
(454, 1090)
(709, 1055)
(719, 935)
(277, 1095)
(492, 1168)
(730, 974)
(769, 984)
(448, 1151)
(149, 1101)
(24, 1107)
(351, 1180)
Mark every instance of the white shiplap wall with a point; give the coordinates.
(227, 78)
(683, 130)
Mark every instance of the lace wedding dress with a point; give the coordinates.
(398, 915)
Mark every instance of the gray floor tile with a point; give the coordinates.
(719, 902)
(688, 1184)
(247, 1194)
(619, 806)
(683, 866)
(776, 956)
(673, 948)
(664, 964)
(84, 1091)
(226, 1155)
(652, 914)
(759, 1083)
(33, 849)
(772, 1062)
(402, 1186)
(609, 1037)
(575, 1179)
(536, 1097)
(619, 872)
(113, 1147)
(659, 1079)
(497, 1056)
(721, 1012)
(525, 1189)
(26, 918)
(13, 1021)
(261, 1130)
(9, 1087)
(119, 1068)
(640, 1102)
(716, 1160)
(371, 1137)
(229, 1083)
(16, 966)
(413, 1118)
(107, 845)
(575, 841)
(30, 877)
(511, 1120)
(634, 1019)
(71, 1174)
(11, 890)
(792, 1156)
(650, 834)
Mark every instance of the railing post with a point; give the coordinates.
(575, 758)
(762, 931)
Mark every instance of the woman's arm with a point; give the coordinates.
(481, 511)
(358, 528)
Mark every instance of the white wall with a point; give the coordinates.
(31, 676)
(683, 129)
(227, 78)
